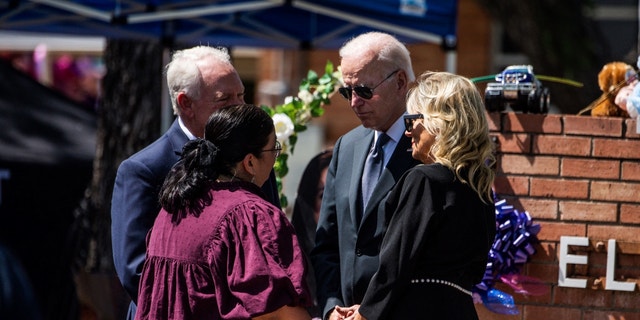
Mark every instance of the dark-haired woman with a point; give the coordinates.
(218, 249)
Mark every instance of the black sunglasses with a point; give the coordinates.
(362, 91)
(409, 119)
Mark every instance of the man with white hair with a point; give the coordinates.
(200, 80)
(376, 69)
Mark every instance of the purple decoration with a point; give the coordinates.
(512, 247)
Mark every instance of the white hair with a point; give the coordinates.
(385, 47)
(183, 74)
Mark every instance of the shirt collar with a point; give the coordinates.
(396, 131)
(185, 130)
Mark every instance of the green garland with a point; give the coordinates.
(292, 116)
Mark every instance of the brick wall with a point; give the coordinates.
(576, 176)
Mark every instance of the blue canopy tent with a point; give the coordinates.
(304, 24)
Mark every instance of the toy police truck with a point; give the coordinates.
(518, 88)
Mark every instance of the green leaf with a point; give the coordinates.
(326, 78)
(304, 85)
(299, 128)
(315, 104)
(312, 77)
(328, 68)
(284, 202)
(269, 110)
(317, 112)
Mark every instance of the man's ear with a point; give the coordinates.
(185, 105)
(402, 81)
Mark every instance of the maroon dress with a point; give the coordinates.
(239, 259)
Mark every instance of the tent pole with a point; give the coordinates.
(450, 58)
(166, 111)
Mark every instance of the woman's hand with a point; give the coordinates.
(344, 313)
(356, 316)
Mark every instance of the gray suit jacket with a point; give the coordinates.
(346, 253)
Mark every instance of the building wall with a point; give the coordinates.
(576, 176)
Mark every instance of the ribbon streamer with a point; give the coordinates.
(513, 245)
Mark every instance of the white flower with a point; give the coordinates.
(284, 126)
(288, 99)
(306, 96)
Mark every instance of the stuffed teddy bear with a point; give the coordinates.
(612, 77)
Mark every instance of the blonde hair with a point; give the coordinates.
(454, 113)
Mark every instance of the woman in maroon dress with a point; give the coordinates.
(218, 249)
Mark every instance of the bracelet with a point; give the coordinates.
(445, 282)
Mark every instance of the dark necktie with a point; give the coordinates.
(373, 168)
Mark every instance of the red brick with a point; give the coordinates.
(514, 143)
(547, 273)
(546, 252)
(627, 300)
(561, 145)
(593, 126)
(550, 312)
(521, 298)
(583, 297)
(511, 185)
(632, 249)
(532, 123)
(629, 213)
(588, 211)
(540, 165)
(612, 315)
(631, 129)
(613, 191)
(552, 231)
(619, 233)
(540, 208)
(627, 267)
(631, 170)
(590, 168)
(616, 149)
(551, 188)
(494, 121)
(559, 188)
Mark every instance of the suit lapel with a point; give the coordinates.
(177, 138)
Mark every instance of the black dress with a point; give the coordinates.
(434, 251)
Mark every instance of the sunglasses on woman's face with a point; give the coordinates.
(410, 119)
(361, 91)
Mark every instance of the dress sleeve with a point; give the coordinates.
(412, 208)
(260, 266)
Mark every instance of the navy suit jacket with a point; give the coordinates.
(135, 204)
(346, 253)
